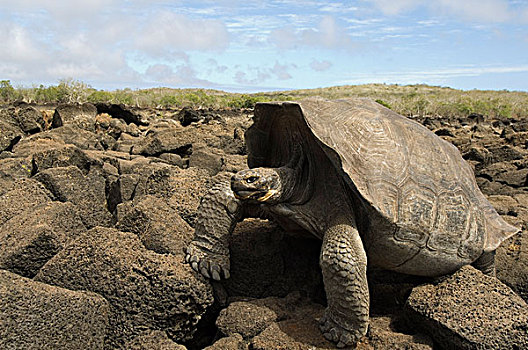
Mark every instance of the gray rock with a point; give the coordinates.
(157, 224)
(293, 323)
(505, 173)
(153, 340)
(36, 143)
(146, 291)
(512, 264)
(35, 315)
(22, 195)
(173, 159)
(87, 192)
(265, 262)
(30, 120)
(233, 342)
(165, 140)
(245, 318)
(470, 310)
(12, 169)
(30, 239)
(72, 134)
(62, 156)
(210, 159)
(10, 132)
(382, 335)
(120, 111)
(81, 115)
(126, 142)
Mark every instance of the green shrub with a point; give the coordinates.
(383, 103)
(7, 91)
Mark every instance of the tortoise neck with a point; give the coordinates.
(296, 180)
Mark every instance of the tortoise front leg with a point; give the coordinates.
(218, 213)
(344, 265)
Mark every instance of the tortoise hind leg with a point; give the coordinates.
(486, 263)
(344, 265)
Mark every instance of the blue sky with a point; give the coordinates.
(256, 45)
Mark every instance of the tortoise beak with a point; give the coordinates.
(267, 196)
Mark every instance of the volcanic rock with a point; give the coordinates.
(470, 310)
(157, 224)
(80, 115)
(30, 239)
(146, 291)
(87, 192)
(35, 315)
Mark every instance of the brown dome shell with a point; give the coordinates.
(413, 178)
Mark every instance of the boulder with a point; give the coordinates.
(30, 239)
(120, 111)
(233, 342)
(511, 262)
(267, 262)
(187, 187)
(35, 315)
(146, 291)
(470, 310)
(211, 159)
(63, 155)
(12, 169)
(22, 195)
(383, 334)
(506, 173)
(172, 159)
(157, 224)
(10, 132)
(30, 120)
(501, 153)
(72, 134)
(247, 319)
(170, 139)
(153, 340)
(126, 142)
(80, 115)
(293, 323)
(36, 143)
(87, 192)
(188, 115)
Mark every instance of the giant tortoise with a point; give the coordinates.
(372, 185)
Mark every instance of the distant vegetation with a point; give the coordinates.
(409, 100)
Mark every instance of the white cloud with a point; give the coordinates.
(281, 71)
(437, 76)
(257, 75)
(18, 44)
(94, 41)
(475, 10)
(328, 34)
(395, 7)
(472, 10)
(168, 31)
(320, 66)
(182, 75)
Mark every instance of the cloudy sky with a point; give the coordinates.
(255, 45)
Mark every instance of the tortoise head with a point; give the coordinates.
(259, 184)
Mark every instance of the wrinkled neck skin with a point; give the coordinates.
(287, 184)
(289, 210)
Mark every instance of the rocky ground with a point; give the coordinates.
(97, 203)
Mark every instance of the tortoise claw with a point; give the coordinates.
(207, 264)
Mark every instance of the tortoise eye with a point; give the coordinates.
(251, 179)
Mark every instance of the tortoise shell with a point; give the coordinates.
(415, 180)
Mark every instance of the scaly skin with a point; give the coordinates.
(218, 214)
(344, 265)
(343, 259)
